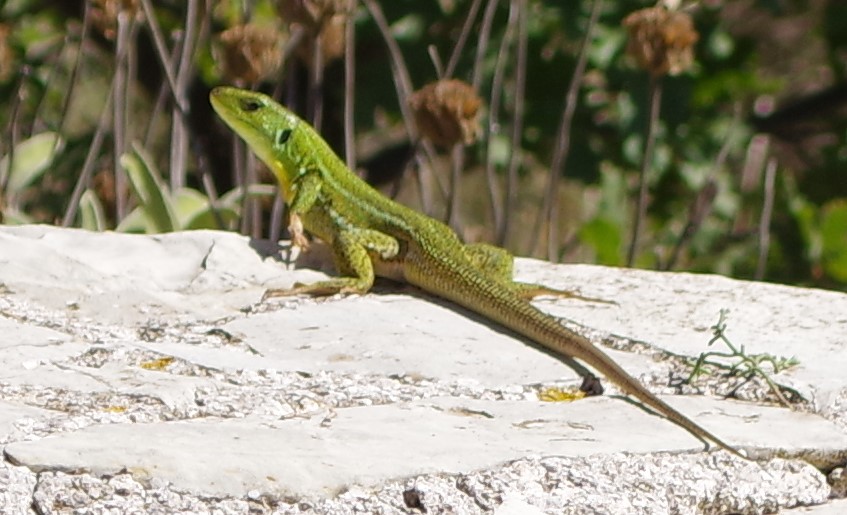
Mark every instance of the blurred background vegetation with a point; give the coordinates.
(705, 136)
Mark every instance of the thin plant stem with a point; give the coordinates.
(646, 164)
(184, 72)
(482, 45)
(97, 142)
(162, 53)
(350, 86)
(158, 108)
(119, 111)
(432, 51)
(493, 127)
(765, 220)
(90, 159)
(403, 84)
(402, 79)
(698, 212)
(13, 129)
(463, 39)
(457, 161)
(704, 199)
(77, 66)
(548, 216)
(516, 155)
(277, 210)
(476, 82)
(315, 102)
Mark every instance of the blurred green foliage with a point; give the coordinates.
(89, 119)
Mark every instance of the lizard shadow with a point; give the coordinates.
(319, 257)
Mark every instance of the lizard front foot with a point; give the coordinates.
(298, 234)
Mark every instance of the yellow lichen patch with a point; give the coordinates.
(157, 364)
(556, 394)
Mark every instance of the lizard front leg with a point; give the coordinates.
(352, 249)
(351, 245)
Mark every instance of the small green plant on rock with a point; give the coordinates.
(739, 362)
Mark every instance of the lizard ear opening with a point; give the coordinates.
(282, 136)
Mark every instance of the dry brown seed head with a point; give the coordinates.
(312, 14)
(104, 14)
(249, 52)
(661, 41)
(447, 112)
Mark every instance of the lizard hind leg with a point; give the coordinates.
(498, 264)
(351, 251)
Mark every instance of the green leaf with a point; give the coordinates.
(408, 28)
(498, 150)
(91, 214)
(136, 222)
(834, 238)
(151, 190)
(195, 212)
(604, 237)
(804, 213)
(720, 44)
(232, 199)
(31, 158)
(14, 217)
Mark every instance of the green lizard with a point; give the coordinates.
(371, 235)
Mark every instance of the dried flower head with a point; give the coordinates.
(249, 52)
(312, 14)
(661, 41)
(447, 112)
(104, 14)
(323, 20)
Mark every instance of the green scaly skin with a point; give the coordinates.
(371, 235)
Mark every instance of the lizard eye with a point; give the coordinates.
(250, 105)
(283, 136)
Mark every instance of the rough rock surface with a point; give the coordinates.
(143, 374)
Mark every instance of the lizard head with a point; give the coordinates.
(270, 130)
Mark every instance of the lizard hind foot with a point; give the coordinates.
(319, 289)
(529, 291)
